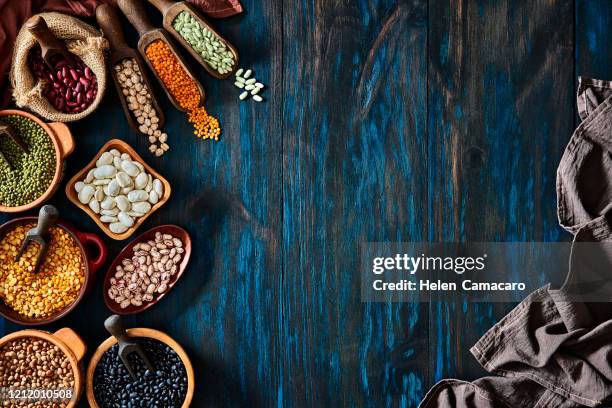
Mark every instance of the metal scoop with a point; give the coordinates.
(50, 46)
(115, 326)
(8, 130)
(47, 216)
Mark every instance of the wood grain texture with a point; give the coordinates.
(593, 50)
(384, 120)
(355, 161)
(500, 112)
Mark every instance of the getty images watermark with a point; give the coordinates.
(482, 272)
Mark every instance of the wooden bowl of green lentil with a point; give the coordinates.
(35, 175)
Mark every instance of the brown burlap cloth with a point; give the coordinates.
(82, 40)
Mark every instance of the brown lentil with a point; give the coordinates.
(37, 364)
(183, 88)
(54, 287)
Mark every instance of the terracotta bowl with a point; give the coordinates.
(71, 345)
(141, 332)
(126, 252)
(123, 148)
(92, 264)
(64, 145)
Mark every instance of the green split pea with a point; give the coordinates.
(211, 48)
(29, 174)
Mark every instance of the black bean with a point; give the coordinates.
(165, 388)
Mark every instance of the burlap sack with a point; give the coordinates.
(82, 40)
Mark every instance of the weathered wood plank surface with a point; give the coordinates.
(593, 48)
(355, 166)
(385, 120)
(500, 112)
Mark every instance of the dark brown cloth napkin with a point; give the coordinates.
(554, 349)
(15, 12)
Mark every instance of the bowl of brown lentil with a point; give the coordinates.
(31, 178)
(42, 366)
(65, 275)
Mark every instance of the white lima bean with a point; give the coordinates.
(248, 86)
(148, 273)
(119, 190)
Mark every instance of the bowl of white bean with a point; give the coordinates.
(118, 190)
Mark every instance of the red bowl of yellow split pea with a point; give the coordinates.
(64, 277)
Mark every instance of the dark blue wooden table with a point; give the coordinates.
(383, 121)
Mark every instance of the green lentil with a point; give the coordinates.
(29, 174)
(206, 43)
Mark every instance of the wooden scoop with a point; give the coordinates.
(170, 10)
(47, 216)
(127, 345)
(8, 131)
(108, 20)
(135, 12)
(51, 47)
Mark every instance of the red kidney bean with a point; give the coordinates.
(69, 89)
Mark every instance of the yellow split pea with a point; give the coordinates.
(58, 281)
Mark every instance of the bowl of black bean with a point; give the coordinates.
(110, 384)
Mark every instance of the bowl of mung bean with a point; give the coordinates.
(64, 277)
(39, 368)
(109, 384)
(31, 177)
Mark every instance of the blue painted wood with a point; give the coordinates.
(593, 50)
(501, 88)
(384, 121)
(355, 170)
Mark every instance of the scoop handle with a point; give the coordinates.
(37, 26)
(108, 20)
(135, 12)
(47, 216)
(114, 325)
(164, 5)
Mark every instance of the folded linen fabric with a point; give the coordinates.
(553, 349)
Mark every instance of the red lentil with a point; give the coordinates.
(183, 88)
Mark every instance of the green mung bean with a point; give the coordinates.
(206, 43)
(29, 174)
